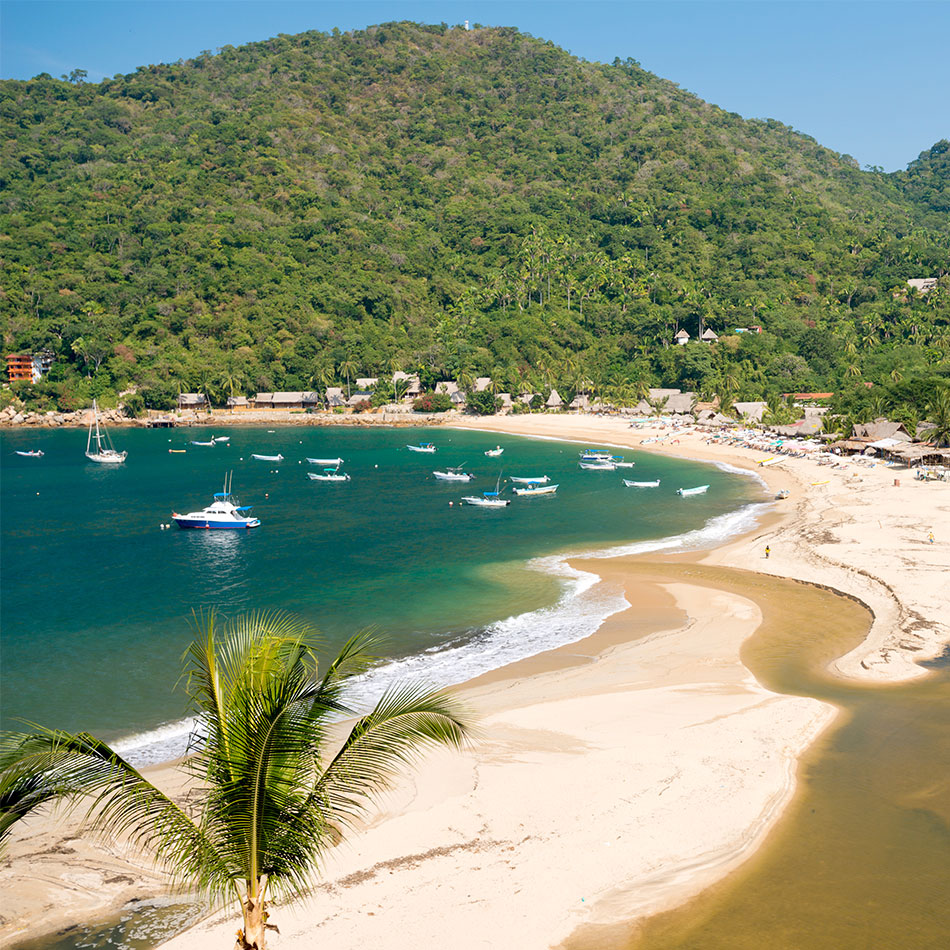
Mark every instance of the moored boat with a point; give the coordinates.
(223, 512)
(268, 458)
(31, 453)
(422, 447)
(325, 462)
(104, 452)
(488, 499)
(454, 475)
(495, 452)
(598, 465)
(538, 480)
(193, 442)
(328, 475)
(654, 484)
(701, 490)
(531, 490)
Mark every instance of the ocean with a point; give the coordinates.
(97, 597)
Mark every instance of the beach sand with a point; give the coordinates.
(611, 778)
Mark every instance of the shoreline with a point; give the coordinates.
(518, 692)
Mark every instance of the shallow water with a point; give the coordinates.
(862, 856)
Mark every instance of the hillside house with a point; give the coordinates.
(681, 338)
(709, 335)
(923, 285)
(482, 383)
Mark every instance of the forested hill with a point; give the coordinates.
(295, 211)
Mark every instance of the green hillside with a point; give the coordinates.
(284, 214)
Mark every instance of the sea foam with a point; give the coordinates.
(582, 607)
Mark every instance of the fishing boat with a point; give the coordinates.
(104, 452)
(531, 490)
(422, 447)
(454, 475)
(177, 451)
(268, 458)
(221, 438)
(328, 475)
(653, 484)
(325, 462)
(488, 499)
(701, 490)
(223, 512)
(495, 452)
(598, 465)
(620, 463)
(589, 455)
(539, 480)
(202, 443)
(31, 453)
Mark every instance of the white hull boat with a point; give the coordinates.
(454, 475)
(223, 512)
(103, 451)
(486, 501)
(268, 458)
(221, 438)
(31, 454)
(428, 448)
(495, 452)
(536, 490)
(685, 492)
(202, 443)
(328, 477)
(653, 484)
(541, 480)
(325, 461)
(620, 463)
(589, 455)
(598, 466)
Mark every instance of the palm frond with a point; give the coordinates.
(83, 771)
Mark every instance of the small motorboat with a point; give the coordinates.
(268, 458)
(630, 484)
(589, 455)
(531, 490)
(422, 447)
(325, 462)
(598, 465)
(328, 475)
(223, 512)
(539, 480)
(782, 495)
(221, 438)
(31, 453)
(202, 443)
(495, 452)
(488, 499)
(701, 490)
(454, 475)
(620, 463)
(177, 451)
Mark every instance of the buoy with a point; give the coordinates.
(451, 503)
(266, 495)
(375, 466)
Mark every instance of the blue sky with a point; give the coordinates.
(868, 78)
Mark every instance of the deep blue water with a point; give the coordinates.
(96, 598)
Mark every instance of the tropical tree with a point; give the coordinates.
(277, 789)
(349, 367)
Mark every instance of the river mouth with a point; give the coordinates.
(861, 858)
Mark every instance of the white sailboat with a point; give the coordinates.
(103, 452)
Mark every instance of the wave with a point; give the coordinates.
(582, 607)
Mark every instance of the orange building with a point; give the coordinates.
(19, 368)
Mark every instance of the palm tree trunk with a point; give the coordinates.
(252, 937)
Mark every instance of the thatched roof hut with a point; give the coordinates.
(554, 401)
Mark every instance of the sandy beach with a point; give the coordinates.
(611, 778)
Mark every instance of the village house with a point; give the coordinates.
(482, 383)
(413, 385)
(580, 401)
(238, 402)
(709, 335)
(505, 401)
(923, 285)
(554, 401)
(334, 397)
(367, 384)
(192, 401)
(681, 338)
(751, 411)
(447, 387)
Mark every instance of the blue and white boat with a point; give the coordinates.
(427, 447)
(223, 512)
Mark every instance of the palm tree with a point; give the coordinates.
(938, 412)
(277, 791)
(349, 367)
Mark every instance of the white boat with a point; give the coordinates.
(31, 453)
(589, 455)
(104, 452)
(221, 438)
(454, 475)
(598, 465)
(495, 452)
(422, 447)
(330, 475)
(653, 484)
(325, 462)
(202, 443)
(223, 512)
(535, 490)
(268, 458)
(487, 499)
(620, 463)
(540, 480)
(692, 491)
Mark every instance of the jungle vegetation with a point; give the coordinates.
(296, 212)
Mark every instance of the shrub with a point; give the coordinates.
(483, 404)
(432, 402)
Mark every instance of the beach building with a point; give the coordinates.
(447, 387)
(264, 401)
(482, 383)
(238, 402)
(367, 383)
(192, 401)
(554, 401)
(681, 338)
(881, 429)
(458, 399)
(359, 397)
(709, 335)
(413, 385)
(334, 397)
(580, 401)
(680, 403)
(506, 401)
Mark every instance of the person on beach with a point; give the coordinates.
(930, 537)
(768, 551)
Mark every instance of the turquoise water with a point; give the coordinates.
(96, 598)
